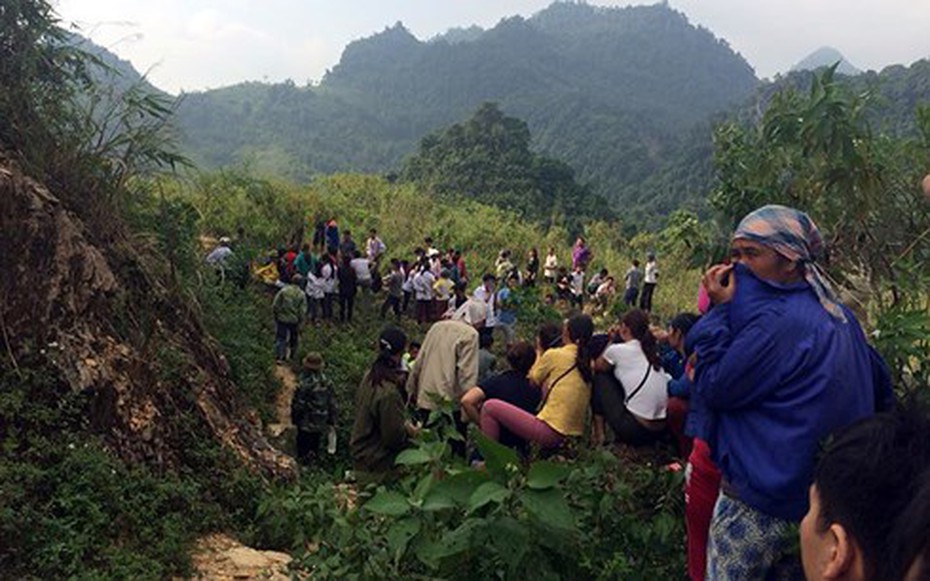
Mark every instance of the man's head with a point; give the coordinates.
(862, 484)
(489, 281)
(635, 263)
(373, 232)
(473, 311)
(347, 235)
(910, 542)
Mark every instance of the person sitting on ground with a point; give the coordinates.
(630, 389)
(447, 365)
(672, 355)
(511, 386)
(486, 360)
(596, 281)
(381, 430)
(864, 483)
(563, 375)
(780, 364)
(605, 292)
(563, 286)
(313, 408)
(507, 304)
(289, 307)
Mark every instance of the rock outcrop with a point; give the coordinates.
(115, 332)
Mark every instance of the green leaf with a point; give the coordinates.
(412, 457)
(400, 534)
(456, 490)
(510, 540)
(487, 493)
(389, 503)
(501, 461)
(545, 474)
(549, 507)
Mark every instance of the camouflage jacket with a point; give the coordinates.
(313, 408)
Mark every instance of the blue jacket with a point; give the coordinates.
(775, 375)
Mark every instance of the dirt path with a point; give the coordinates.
(222, 558)
(288, 380)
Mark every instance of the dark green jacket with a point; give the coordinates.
(313, 408)
(290, 304)
(378, 433)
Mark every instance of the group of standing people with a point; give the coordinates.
(774, 366)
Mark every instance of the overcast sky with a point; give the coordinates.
(199, 44)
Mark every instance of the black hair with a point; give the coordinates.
(521, 356)
(603, 272)
(549, 335)
(391, 343)
(635, 263)
(485, 340)
(488, 276)
(580, 330)
(683, 322)
(867, 476)
(414, 345)
(910, 540)
(637, 321)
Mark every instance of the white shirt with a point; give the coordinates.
(328, 275)
(652, 272)
(578, 283)
(362, 271)
(219, 255)
(375, 248)
(630, 366)
(423, 285)
(314, 288)
(490, 298)
(550, 266)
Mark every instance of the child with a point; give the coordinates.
(410, 357)
(313, 408)
(577, 284)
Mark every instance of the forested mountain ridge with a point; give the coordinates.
(607, 90)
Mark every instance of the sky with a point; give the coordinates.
(192, 45)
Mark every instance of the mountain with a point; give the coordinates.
(826, 56)
(610, 91)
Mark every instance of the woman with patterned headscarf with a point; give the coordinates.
(780, 364)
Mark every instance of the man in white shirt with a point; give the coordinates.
(374, 247)
(362, 268)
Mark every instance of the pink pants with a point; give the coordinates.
(496, 413)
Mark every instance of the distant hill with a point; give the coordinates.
(610, 91)
(826, 56)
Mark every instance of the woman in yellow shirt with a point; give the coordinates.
(564, 375)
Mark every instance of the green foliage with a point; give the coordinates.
(607, 91)
(818, 152)
(488, 159)
(68, 508)
(589, 519)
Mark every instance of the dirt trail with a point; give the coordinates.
(288, 380)
(223, 558)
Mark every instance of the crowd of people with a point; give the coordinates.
(748, 388)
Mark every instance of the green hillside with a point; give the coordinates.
(607, 90)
